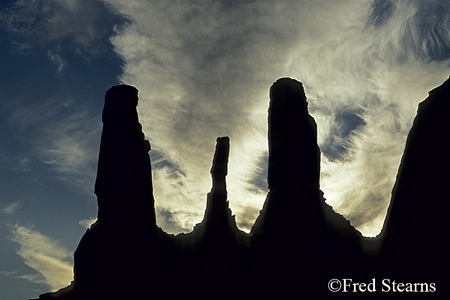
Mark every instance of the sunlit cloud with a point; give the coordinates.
(87, 222)
(378, 77)
(52, 262)
(204, 70)
(197, 82)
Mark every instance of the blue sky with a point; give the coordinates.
(203, 69)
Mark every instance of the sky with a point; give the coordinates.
(203, 69)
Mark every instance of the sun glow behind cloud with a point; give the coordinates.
(204, 68)
(204, 71)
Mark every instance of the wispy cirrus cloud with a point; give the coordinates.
(51, 261)
(11, 208)
(70, 149)
(75, 26)
(54, 119)
(63, 136)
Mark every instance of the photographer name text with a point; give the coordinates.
(348, 285)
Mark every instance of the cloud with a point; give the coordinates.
(61, 27)
(179, 210)
(72, 155)
(204, 70)
(363, 91)
(18, 162)
(171, 222)
(63, 136)
(43, 254)
(57, 60)
(195, 67)
(11, 208)
(87, 222)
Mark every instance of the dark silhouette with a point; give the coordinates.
(119, 249)
(124, 170)
(293, 235)
(297, 244)
(415, 228)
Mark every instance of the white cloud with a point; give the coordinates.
(87, 222)
(43, 254)
(376, 73)
(204, 70)
(72, 156)
(195, 67)
(11, 208)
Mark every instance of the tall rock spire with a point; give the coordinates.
(219, 225)
(221, 247)
(217, 209)
(294, 157)
(219, 167)
(122, 241)
(287, 234)
(124, 170)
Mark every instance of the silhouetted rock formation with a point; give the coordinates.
(116, 253)
(294, 156)
(415, 228)
(221, 245)
(124, 170)
(287, 234)
(293, 231)
(297, 244)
